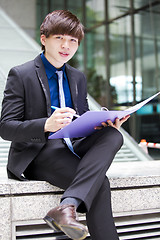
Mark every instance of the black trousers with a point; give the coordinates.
(83, 178)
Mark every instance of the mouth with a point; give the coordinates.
(63, 54)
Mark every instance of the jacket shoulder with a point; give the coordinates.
(75, 70)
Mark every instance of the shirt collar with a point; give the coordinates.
(50, 69)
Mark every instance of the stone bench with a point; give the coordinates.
(24, 204)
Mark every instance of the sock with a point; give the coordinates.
(71, 201)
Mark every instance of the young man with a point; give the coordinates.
(27, 120)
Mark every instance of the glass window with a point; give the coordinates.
(94, 12)
(96, 64)
(149, 37)
(76, 7)
(142, 3)
(117, 8)
(120, 60)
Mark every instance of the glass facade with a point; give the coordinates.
(120, 55)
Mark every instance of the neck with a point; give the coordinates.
(51, 60)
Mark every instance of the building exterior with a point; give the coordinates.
(120, 53)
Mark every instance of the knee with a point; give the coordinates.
(105, 184)
(114, 137)
(105, 189)
(117, 136)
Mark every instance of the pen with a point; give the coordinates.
(75, 115)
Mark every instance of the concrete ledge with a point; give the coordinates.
(14, 187)
(31, 200)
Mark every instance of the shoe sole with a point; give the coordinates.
(72, 232)
(51, 223)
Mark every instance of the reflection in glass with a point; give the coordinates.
(120, 60)
(118, 8)
(94, 12)
(96, 64)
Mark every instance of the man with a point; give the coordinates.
(27, 120)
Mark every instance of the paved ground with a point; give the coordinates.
(128, 169)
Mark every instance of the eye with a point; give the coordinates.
(58, 37)
(74, 40)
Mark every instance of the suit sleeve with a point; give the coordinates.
(13, 125)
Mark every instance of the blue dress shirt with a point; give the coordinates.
(53, 84)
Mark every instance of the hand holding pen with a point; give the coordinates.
(75, 115)
(60, 118)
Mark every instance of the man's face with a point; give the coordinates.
(59, 49)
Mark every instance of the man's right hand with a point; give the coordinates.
(60, 118)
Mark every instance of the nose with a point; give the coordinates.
(65, 44)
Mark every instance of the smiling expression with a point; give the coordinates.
(59, 49)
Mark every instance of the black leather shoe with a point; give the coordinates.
(64, 218)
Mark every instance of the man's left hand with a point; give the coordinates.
(117, 124)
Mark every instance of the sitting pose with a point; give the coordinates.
(78, 166)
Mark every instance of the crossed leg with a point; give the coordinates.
(83, 178)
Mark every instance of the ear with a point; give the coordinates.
(43, 39)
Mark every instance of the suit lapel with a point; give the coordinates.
(73, 86)
(43, 81)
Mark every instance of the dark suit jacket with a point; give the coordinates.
(25, 108)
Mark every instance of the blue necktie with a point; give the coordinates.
(63, 104)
